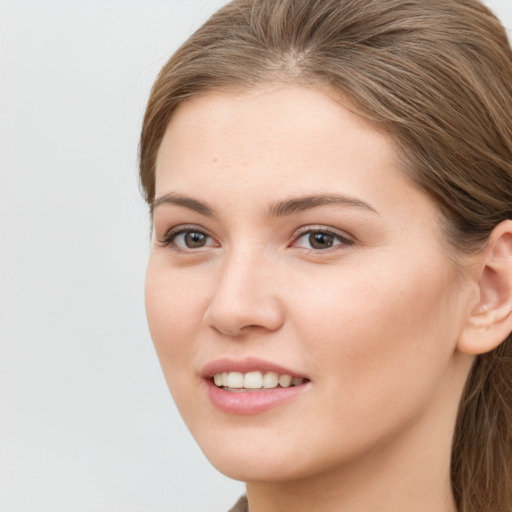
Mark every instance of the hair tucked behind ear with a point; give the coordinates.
(437, 76)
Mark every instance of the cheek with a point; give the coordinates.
(174, 309)
(174, 314)
(375, 335)
(376, 309)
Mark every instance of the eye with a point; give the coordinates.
(187, 239)
(191, 239)
(321, 240)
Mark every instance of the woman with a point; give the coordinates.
(329, 288)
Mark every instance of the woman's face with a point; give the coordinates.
(287, 243)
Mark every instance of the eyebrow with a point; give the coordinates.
(300, 204)
(186, 202)
(277, 209)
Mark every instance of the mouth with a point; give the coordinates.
(255, 381)
(251, 386)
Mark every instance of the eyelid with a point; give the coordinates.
(171, 234)
(344, 238)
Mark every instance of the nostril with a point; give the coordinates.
(240, 317)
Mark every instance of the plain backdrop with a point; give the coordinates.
(86, 421)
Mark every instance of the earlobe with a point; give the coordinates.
(490, 322)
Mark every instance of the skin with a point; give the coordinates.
(373, 321)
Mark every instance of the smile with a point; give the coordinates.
(238, 381)
(251, 385)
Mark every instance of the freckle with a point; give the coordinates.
(215, 159)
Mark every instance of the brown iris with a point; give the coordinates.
(321, 240)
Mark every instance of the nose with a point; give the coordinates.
(246, 297)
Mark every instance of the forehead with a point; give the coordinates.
(294, 131)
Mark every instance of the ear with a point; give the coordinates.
(490, 322)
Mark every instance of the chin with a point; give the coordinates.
(270, 456)
(267, 470)
(250, 460)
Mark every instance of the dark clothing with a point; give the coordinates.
(241, 505)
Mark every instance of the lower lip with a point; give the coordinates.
(250, 402)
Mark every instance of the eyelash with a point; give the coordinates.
(343, 240)
(169, 240)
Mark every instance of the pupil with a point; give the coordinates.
(321, 240)
(194, 240)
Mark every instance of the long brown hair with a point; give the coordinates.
(437, 76)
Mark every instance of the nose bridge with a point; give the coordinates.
(246, 293)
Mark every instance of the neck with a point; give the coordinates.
(347, 494)
(410, 472)
(386, 486)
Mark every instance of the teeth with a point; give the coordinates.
(255, 380)
(285, 381)
(235, 380)
(270, 380)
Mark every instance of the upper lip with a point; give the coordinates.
(248, 364)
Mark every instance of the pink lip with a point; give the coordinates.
(250, 401)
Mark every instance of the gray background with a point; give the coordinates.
(86, 421)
